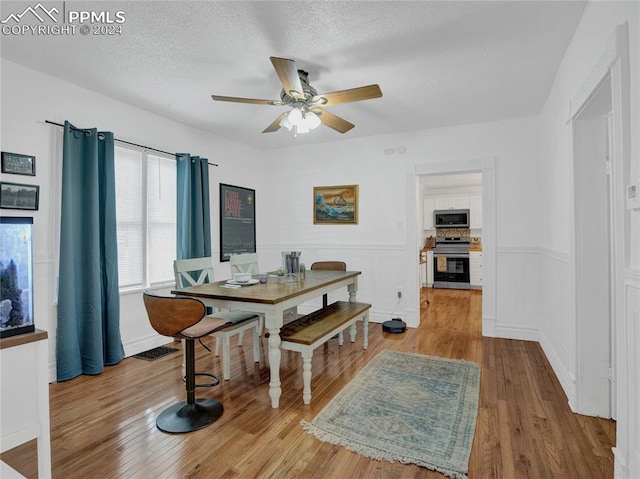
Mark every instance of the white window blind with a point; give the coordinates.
(129, 213)
(146, 218)
(161, 218)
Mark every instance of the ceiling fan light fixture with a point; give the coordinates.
(302, 128)
(285, 123)
(312, 120)
(295, 116)
(301, 97)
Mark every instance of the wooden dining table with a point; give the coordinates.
(272, 299)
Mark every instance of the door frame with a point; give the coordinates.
(614, 63)
(486, 166)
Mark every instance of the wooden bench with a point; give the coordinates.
(310, 331)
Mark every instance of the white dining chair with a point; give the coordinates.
(244, 263)
(248, 263)
(196, 271)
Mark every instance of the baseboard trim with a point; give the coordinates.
(566, 379)
(130, 349)
(144, 344)
(489, 327)
(517, 332)
(619, 464)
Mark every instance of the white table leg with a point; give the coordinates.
(353, 290)
(274, 367)
(256, 343)
(307, 354)
(365, 331)
(226, 357)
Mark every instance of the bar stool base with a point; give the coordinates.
(184, 417)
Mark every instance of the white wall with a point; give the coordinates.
(28, 99)
(557, 299)
(382, 244)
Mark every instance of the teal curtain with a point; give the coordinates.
(88, 333)
(194, 212)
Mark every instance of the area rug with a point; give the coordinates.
(407, 408)
(155, 353)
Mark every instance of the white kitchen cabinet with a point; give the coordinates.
(423, 270)
(451, 202)
(475, 269)
(475, 212)
(428, 207)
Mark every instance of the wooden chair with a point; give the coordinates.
(196, 271)
(185, 318)
(329, 266)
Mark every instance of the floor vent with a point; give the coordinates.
(155, 353)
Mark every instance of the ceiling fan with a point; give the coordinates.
(307, 106)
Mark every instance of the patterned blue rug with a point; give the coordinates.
(406, 408)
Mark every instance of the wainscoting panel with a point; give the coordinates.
(382, 274)
(557, 326)
(518, 293)
(630, 374)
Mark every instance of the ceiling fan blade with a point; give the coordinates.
(333, 121)
(288, 74)
(347, 96)
(275, 126)
(254, 101)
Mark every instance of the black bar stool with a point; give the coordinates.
(185, 318)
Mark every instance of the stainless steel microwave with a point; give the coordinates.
(451, 218)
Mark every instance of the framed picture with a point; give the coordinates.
(19, 197)
(237, 221)
(335, 205)
(18, 164)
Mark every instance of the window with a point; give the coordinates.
(146, 216)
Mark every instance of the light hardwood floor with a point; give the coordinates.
(104, 426)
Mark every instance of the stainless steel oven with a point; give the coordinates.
(451, 263)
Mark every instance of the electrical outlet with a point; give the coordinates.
(399, 293)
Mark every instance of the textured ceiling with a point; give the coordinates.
(438, 63)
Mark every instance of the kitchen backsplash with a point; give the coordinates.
(452, 232)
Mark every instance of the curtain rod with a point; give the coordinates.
(123, 141)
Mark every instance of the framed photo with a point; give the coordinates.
(237, 221)
(18, 164)
(335, 205)
(19, 197)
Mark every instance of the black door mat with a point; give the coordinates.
(155, 353)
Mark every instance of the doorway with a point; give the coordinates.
(461, 195)
(486, 167)
(593, 254)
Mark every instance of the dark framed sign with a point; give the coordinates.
(19, 197)
(237, 221)
(18, 164)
